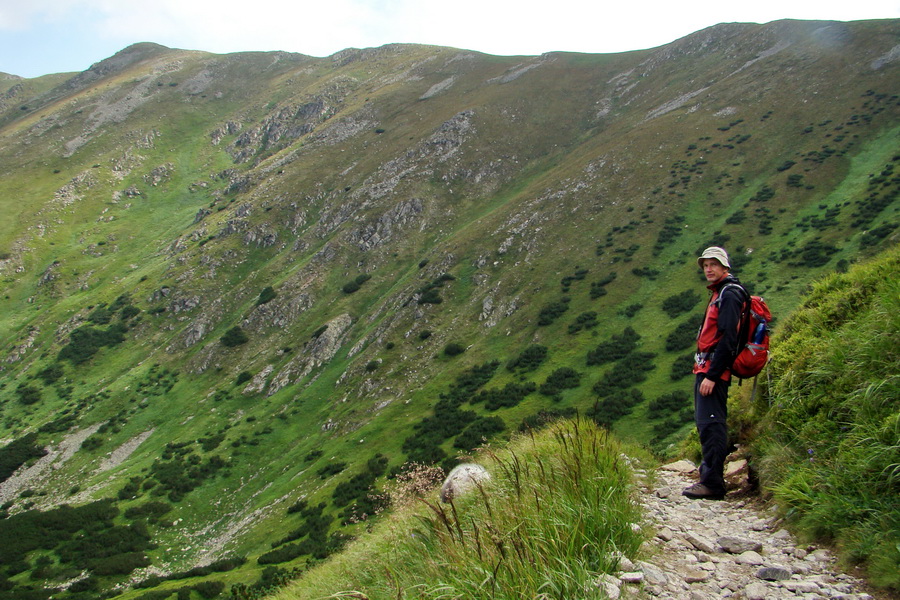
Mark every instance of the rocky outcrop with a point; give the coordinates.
(280, 313)
(388, 225)
(315, 353)
(22, 348)
(159, 174)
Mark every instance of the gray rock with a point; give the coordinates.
(632, 577)
(696, 575)
(699, 542)
(665, 534)
(610, 586)
(756, 591)
(652, 574)
(749, 558)
(738, 545)
(773, 574)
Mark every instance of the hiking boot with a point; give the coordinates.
(698, 491)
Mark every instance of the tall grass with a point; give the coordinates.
(557, 512)
(830, 437)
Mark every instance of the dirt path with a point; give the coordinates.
(735, 548)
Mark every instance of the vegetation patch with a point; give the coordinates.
(830, 417)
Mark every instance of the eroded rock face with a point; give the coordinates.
(390, 224)
(315, 353)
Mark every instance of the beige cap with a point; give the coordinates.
(717, 253)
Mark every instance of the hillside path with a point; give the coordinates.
(734, 548)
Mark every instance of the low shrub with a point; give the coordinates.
(454, 349)
(550, 312)
(266, 295)
(618, 347)
(477, 433)
(234, 337)
(561, 379)
(17, 453)
(680, 303)
(28, 394)
(530, 359)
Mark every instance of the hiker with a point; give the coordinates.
(717, 342)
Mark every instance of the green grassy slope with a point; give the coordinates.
(491, 204)
(828, 430)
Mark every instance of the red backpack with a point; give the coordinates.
(753, 336)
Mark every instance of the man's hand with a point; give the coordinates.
(707, 386)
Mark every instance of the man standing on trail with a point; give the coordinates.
(716, 347)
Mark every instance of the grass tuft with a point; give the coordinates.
(557, 512)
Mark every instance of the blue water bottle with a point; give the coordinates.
(759, 333)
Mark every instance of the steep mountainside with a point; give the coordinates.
(239, 290)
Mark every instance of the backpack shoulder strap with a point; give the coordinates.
(745, 295)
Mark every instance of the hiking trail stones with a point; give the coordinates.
(735, 548)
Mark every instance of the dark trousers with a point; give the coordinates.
(710, 415)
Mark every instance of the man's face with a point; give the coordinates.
(713, 269)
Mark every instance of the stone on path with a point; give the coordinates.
(681, 466)
(773, 574)
(738, 545)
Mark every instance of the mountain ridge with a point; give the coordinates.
(303, 258)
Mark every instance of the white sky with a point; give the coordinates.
(39, 37)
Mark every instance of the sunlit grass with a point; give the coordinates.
(557, 512)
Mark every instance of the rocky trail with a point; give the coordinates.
(734, 548)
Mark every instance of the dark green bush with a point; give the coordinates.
(647, 272)
(152, 510)
(586, 320)
(619, 346)
(668, 404)
(598, 288)
(360, 485)
(631, 310)
(684, 335)
(529, 360)
(100, 315)
(234, 337)
(51, 373)
(559, 380)
(243, 377)
(566, 281)
(682, 367)
(543, 417)
(429, 294)
(510, 395)
(448, 420)
(86, 341)
(17, 453)
(683, 302)
(331, 469)
(553, 311)
(671, 229)
(481, 430)
(92, 442)
(129, 312)
(612, 408)
(454, 349)
(266, 295)
(28, 394)
(629, 371)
